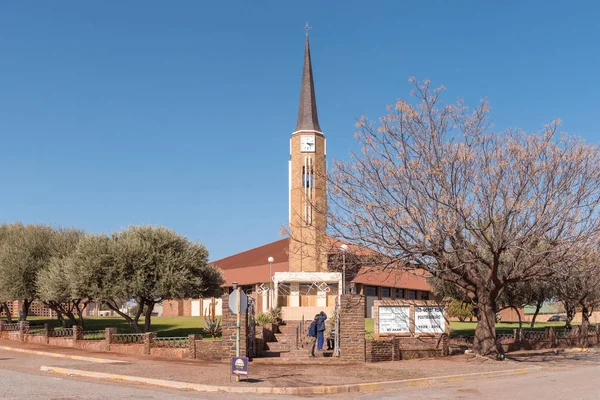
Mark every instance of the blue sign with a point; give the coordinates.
(239, 366)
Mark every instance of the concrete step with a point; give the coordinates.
(274, 346)
(285, 338)
(296, 357)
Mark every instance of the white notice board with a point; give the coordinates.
(394, 319)
(429, 320)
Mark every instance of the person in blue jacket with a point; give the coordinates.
(312, 334)
(321, 330)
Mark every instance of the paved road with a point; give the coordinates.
(573, 378)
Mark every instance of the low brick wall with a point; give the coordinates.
(92, 345)
(137, 349)
(379, 350)
(405, 348)
(208, 349)
(170, 353)
(60, 341)
(195, 346)
(40, 339)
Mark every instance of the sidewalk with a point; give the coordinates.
(277, 376)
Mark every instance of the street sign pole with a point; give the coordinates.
(237, 339)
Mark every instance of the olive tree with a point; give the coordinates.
(434, 188)
(24, 252)
(147, 265)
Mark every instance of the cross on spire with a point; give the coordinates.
(307, 28)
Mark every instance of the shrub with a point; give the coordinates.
(264, 318)
(212, 326)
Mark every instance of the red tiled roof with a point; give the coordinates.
(257, 256)
(253, 274)
(251, 266)
(401, 279)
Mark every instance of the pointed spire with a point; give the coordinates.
(307, 111)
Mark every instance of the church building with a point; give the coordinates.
(306, 272)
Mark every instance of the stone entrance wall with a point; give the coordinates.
(229, 326)
(352, 327)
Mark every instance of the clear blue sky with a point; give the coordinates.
(179, 113)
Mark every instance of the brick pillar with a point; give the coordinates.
(229, 327)
(550, 335)
(77, 334)
(352, 327)
(108, 336)
(192, 344)
(47, 333)
(148, 338)
(23, 328)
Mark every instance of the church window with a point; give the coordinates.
(412, 294)
(386, 292)
(308, 184)
(371, 290)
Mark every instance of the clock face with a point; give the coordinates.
(307, 144)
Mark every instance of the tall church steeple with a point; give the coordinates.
(308, 201)
(308, 120)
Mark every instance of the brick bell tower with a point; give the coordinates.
(307, 167)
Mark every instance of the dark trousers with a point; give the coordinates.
(311, 346)
(320, 340)
(330, 344)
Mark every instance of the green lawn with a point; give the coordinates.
(165, 327)
(468, 328)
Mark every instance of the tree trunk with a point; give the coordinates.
(518, 315)
(585, 325)
(25, 310)
(147, 318)
(538, 307)
(570, 310)
(4, 306)
(80, 311)
(485, 333)
(132, 322)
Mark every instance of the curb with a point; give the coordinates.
(360, 387)
(60, 355)
(582, 350)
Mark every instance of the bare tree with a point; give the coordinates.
(578, 286)
(434, 189)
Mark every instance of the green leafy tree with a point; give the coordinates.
(147, 265)
(461, 310)
(55, 282)
(24, 252)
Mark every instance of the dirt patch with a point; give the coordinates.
(301, 375)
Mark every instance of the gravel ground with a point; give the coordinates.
(278, 375)
(307, 375)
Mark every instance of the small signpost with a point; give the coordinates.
(239, 367)
(238, 303)
(233, 302)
